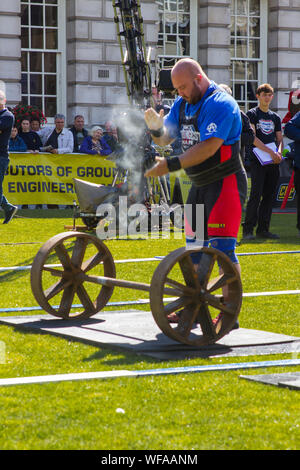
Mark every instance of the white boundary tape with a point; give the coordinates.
(143, 260)
(120, 261)
(276, 292)
(147, 301)
(143, 373)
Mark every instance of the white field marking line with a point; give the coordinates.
(141, 260)
(25, 268)
(255, 294)
(147, 301)
(143, 373)
(276, 292)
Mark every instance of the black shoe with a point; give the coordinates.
(9, 213)
(248, 236)
(271, 236)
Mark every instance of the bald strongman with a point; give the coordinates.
(207, 119)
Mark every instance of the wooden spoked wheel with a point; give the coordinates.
(63, 273)
(199, 296)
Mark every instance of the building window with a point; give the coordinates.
(176, 34)
(248, 50)
(40, 51)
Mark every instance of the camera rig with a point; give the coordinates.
(137, 75)
(135, 61)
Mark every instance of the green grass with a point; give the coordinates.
(211, 410)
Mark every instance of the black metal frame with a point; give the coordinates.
(137, 74)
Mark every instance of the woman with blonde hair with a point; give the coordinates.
(94, 143)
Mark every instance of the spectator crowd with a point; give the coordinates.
(30, 137)
(261, 128)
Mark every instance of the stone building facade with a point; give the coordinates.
(63, 55)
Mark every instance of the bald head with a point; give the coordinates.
(189, 80)
(187, 66)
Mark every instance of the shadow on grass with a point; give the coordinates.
(9, 276)
(107, 355)
(284, 240)
(45, 213)
(17, 274)
(123, 357)
(283, 224)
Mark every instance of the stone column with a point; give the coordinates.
(10, 50)
(214, 39)
(284, 50)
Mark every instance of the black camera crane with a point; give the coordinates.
(136, 63)
(137, 75)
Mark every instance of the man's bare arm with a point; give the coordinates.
(193, 156)
(200, 152)
(164, 140)
(155, 122)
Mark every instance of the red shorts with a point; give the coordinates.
(223, 201)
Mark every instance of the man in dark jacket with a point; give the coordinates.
(247, 135)
(6, 124)
(292, 131)
(79, 132)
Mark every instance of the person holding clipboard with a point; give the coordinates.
(265, 158)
